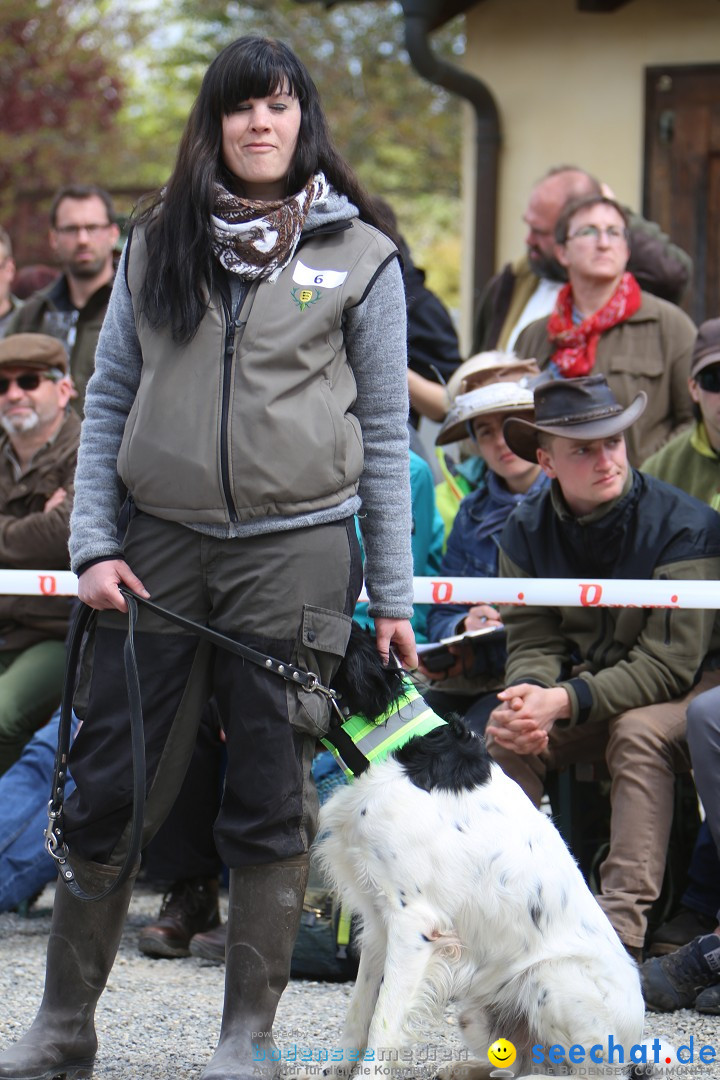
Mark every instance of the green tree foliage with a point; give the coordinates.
(99, 90)
(400, 133)
(60, 92)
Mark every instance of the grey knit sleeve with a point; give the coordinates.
(110, 395)
(376, 343)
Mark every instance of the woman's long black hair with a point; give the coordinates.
(177, 219)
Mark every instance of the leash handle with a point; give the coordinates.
(306, 679)
(54, 834)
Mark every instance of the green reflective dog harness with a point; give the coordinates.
(358, 742)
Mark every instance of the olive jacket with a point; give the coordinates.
(650, 351)
(33, 540)
(612, 659)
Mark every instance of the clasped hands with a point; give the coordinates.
(525, 716)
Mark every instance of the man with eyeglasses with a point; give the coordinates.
(38, 452)
(83, 235)
(527, 289)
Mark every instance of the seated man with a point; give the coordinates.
(583, 683)
(38, 451)
(690, 976)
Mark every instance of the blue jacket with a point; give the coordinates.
(472, 551)
(426, 541)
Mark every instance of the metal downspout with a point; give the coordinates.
(487, 126)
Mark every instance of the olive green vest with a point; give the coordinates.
(256, 420)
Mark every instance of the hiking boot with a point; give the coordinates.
(190, 907)
(683, 928)
(210, 945)
(708, 1001)
(675, 981)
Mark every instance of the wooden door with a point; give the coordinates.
(682, 171)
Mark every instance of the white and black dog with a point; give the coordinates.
(467, 894)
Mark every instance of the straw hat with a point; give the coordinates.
(490, 382)
(485, 367)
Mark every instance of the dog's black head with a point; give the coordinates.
(449, 758)
(363, 683)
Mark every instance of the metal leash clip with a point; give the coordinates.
(54, 844)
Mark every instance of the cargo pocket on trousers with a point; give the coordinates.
(320, 647)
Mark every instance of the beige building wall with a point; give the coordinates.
(569, 87)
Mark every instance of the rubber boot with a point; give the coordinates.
(263, 921)
(84, 938)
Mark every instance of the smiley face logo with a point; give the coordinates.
(502, 1052)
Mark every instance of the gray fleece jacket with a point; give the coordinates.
(375, 339)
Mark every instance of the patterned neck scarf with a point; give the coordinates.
(256, 239)
(576, 344)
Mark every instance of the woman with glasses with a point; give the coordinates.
(604, 324)
(250, 394)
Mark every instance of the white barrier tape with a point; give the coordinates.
(550, 592)
(37, 583)
(566, 592)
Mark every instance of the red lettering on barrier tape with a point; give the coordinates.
(441, 592)
(48, 584)
(590, 595)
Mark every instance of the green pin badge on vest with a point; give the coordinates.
(305, 298)
(360, 741)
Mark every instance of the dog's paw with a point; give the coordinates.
(465, 1070)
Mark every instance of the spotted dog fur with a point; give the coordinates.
(468, 894)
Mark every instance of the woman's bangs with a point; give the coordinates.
(267, 75)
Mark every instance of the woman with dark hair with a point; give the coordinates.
(250, 397)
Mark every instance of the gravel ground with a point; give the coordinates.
(159, 1019)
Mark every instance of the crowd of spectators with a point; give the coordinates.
(582, 440)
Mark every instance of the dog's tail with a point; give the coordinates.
(450, 758)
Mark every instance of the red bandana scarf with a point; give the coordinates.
(576, 344)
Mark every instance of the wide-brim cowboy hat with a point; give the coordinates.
(573, 409)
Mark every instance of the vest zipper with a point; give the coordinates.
(233, 333)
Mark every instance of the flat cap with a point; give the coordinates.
(33, 351)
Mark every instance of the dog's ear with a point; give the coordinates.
(365, 685)
(450, 758)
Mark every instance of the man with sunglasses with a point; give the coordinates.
(38, 452)
(691, 460)
(83, 235)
